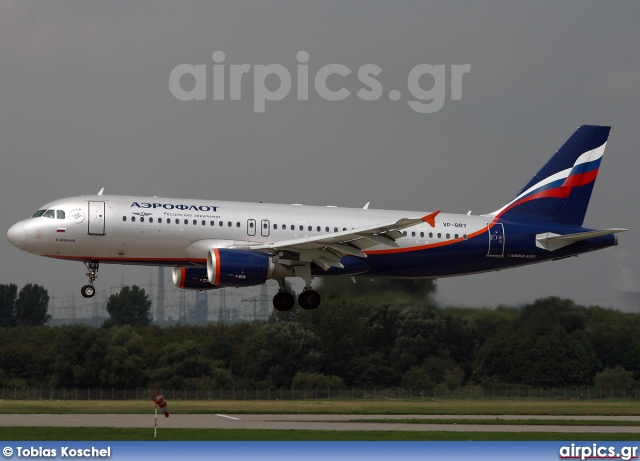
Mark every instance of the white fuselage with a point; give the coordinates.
(153, 230)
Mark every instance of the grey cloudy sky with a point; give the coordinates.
(85, 103)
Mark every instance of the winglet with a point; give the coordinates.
(431, 218)
(101, 191)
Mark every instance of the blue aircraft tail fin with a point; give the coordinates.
(561, 190)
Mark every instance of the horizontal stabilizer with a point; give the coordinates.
(550, 241)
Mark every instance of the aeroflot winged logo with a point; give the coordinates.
(171, 206)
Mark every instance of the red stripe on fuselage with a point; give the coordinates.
(426, 246)
(166, 261)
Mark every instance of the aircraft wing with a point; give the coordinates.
(550, 241)
(327, 249)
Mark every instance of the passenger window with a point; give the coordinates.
(326, 229)
(195, 222)
(237, 224)
(413, 234)
(133, 219)
(318, 228)
(124, 218)
(141, 218)
(439, 235)
(301, 228)
(335, 229)
(430, 235)
(177, 221)
(204, 223)
(404, 233)
(421, 234)
(229, 224)
(293, 227)
(448, 235)
(159, 220)
(50, 214)
(60, 214)
(186, 221)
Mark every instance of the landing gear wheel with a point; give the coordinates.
(309, 299)
(88, 291)
(283, 301)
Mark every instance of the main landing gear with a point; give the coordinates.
(88, 291)
(283, 301)
(308, 299)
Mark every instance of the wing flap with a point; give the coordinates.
(325, 248)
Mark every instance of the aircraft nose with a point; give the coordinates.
(16, 235)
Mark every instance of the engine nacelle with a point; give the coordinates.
(191, 278)
(238, 268)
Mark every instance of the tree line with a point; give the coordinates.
(369, 335)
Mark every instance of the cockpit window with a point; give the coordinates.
(60, 214)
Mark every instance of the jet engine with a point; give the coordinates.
(227, 267)
(191, 278)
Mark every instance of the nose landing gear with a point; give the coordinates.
(88, 291)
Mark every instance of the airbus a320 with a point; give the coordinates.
(213, 243)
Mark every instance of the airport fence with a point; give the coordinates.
(438, 393)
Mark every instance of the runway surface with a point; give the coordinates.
(315, 422)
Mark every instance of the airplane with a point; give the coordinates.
(214, 244)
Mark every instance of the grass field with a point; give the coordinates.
(516, 407)
(361, 407)
(141, 434)
(505, 422)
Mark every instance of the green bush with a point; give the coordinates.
(316, 381)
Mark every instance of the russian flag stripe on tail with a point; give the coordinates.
(561, 190)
